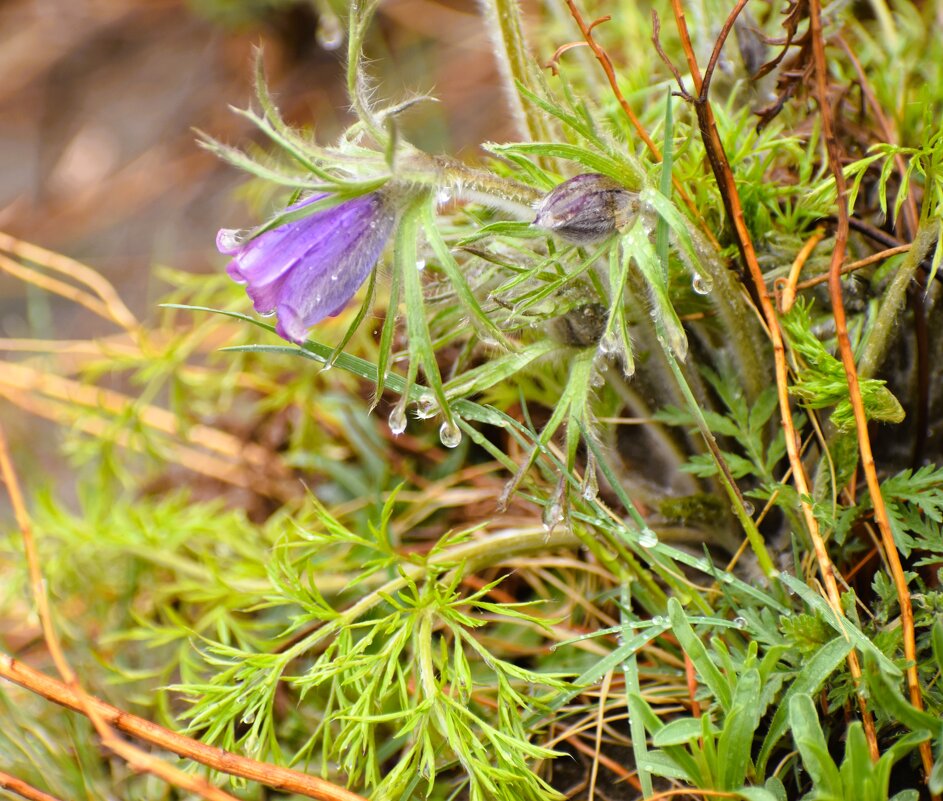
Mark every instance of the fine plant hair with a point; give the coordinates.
(622, 505)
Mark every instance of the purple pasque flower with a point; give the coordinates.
(310, 268)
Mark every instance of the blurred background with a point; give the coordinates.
(99, 100)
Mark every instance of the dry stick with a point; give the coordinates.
(279, 778)
(851, 371)
(21, 788)
(606, 63)
(193, 459)
(54, 285)
(138, 760)
(789, 291)
(855, 265)
(728, 187)
(917, 302)
(117, 312)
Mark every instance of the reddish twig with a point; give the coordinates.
(851, 371)
(138, 760)
(691, 678)
(21, 788)
(282, 779)
(95, 710)
(856, 265)
(792, 283)
(731, 197)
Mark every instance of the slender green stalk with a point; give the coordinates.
(885, 322)
(757, 544)
(505, 26)
(633, 690)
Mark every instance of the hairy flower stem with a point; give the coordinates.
(504, 23)
(361, 12)
(451, 176)
(885, 322)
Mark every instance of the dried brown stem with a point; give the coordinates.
(792, 283)
(138, 760)
(21, 788)
(279, 778)
(855, 265)
(851, 370)
(731, 197)
(114, 308)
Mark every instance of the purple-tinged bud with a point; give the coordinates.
(586, 209)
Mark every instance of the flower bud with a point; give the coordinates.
(586, 209)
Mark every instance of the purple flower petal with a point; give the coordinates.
(310, 268)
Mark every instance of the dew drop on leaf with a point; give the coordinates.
(330, 32)
(552, 515)
(450, 434)
(398, 419)
(590, 488)
(647, 538)
(426, 406)
(231, 238)
(702, 284)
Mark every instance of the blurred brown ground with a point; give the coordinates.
(99, 98)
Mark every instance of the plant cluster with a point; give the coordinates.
(655, 498)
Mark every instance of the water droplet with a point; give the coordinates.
(596, 380)
(249, 718)
(740, 622)
(327, 366)
(231, 238)
(267, 313)
(647, 538)
(330, 32)
(444, 195)
(748, 508)
(552, 515)
(333, 276)
(702, 284)
(609, 345)
(450, 434)
(426, 407)
(398, 418)
(658, 620)
(590, 488)
(251, 744)
(317, 298)
(421, 264)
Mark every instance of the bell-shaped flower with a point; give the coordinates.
(310, 268)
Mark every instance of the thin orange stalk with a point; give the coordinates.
(851, 372)
(728, 186)
(138, 760)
